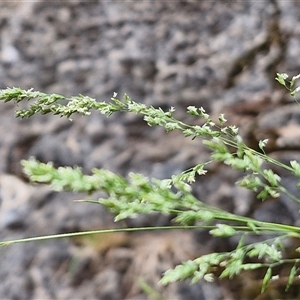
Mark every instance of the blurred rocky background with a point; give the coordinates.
(222, 55)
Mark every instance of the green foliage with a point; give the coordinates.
(137, 194)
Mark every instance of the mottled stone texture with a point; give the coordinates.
(222, 55)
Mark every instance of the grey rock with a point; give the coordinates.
(198, 291)
(15, 196)
(281, 127)
(16, 283)
(212, 54)
(107, 285)
(120, 258)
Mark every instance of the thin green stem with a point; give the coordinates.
(114, 230)
(263, 227)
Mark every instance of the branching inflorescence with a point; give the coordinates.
(137, 194)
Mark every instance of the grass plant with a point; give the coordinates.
(136, 194)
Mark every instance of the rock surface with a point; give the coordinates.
(217, 54)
